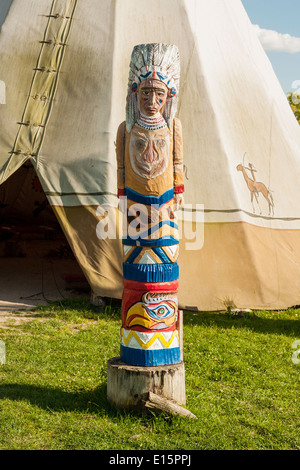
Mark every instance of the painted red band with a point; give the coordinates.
(179, 189)
(162, 287)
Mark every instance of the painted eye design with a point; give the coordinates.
(140, 144)
(161, 143)
(161, 311)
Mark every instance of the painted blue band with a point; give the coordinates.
(149, 200)
(151, 272)
(162, 241)
(148, 358)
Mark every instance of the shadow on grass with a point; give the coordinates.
(250, 321)
(56, 400)
(111, 308)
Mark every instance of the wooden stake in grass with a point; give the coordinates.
(158, 404)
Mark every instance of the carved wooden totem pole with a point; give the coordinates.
(150, 177)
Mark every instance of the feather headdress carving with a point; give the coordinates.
(157, 61)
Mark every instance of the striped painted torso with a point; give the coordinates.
(149, 333)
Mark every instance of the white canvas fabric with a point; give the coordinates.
(69, 94)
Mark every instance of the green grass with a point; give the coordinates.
(241, 383)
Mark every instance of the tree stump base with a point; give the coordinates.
(160, 388)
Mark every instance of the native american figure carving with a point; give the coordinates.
(150, 177)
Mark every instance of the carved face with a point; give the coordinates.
(154, 312)
(152, 96)
(149, 153)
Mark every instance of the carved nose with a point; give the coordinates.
(150, 154)
(153, 98)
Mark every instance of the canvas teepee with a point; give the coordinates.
(65, 66)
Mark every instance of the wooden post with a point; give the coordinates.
(128, 386)
(149, 374)
(140, 389)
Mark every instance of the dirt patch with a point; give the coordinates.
(15, 318)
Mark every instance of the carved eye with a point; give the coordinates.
(161, 143)
(160, 311)
(140, 144)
